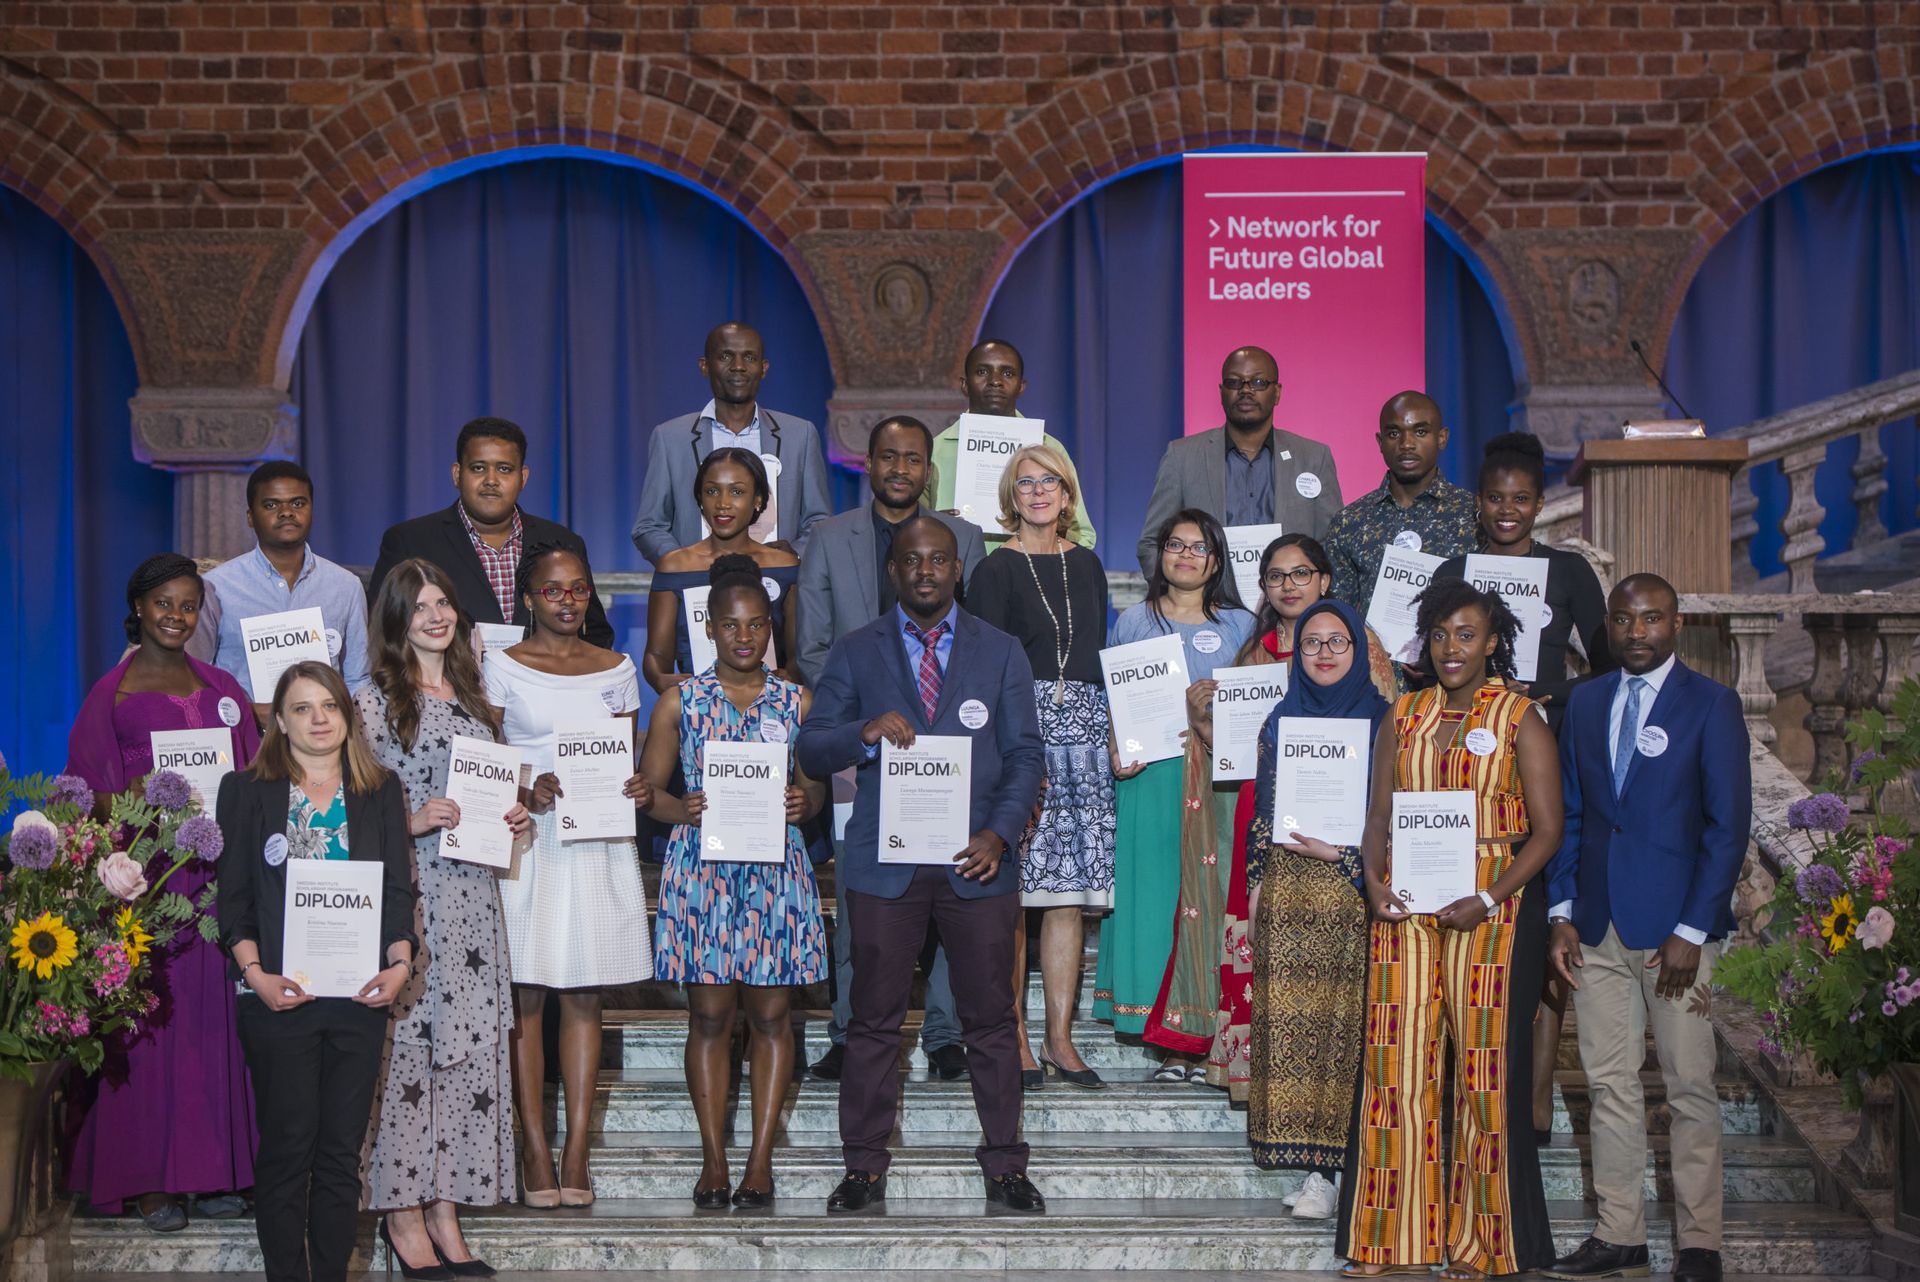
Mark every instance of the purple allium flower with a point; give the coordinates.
(1767, 1046)
(1822, 812)
(202, 836)
(168, 790)
(1902, 975)
(33, 846)
(1860, 764)
(1817, 884)
(71, 790)
(1889, 1009)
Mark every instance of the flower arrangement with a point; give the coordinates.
(85, 906)
(1840, 976)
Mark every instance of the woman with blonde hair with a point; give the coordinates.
(1050, 594)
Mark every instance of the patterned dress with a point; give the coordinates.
(1471, 996)
(442, 1125)
(725, 922)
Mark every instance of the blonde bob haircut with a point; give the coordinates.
(359, 770)
(1053, 461)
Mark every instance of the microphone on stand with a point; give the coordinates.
(1647, 365)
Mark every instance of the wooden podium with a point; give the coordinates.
(1661, 505)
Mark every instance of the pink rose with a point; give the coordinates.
(1876, 928)
(123, 878)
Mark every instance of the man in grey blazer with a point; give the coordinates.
(1247, 472)
(734, 363)
(843, 586)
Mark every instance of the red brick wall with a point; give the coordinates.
(209, 154)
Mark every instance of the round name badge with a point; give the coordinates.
(1482, 742)
(1308, 485)
(276, 850)
(1206, 641)
(973, 714)
(772, 586)
(229, 711)
(772, 462)
(611, 697)
(1408, 539)
(334, 643)
(1651, 741)
(773, 732)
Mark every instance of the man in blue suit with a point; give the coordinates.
(928, 667)
(1659, 798)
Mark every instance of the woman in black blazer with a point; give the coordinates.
(314, 792)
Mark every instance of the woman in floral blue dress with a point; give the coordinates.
(734, 933)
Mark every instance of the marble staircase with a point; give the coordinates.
(1139, 1176)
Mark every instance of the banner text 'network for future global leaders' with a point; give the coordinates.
(1247, 271)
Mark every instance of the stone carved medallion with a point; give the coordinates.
(1593, 298)
(900, 294)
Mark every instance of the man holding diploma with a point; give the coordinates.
(928, 667)
(1469, 974)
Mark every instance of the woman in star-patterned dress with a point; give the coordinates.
(442, 1131)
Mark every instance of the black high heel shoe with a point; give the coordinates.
(471, 1267)
(428, 1273)
(1085, 1078)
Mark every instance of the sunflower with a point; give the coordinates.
(44, 945)
(1838, 925)
(133, 937)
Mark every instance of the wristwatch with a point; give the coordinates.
(1489, 901)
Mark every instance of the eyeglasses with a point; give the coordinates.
(1177, 546)
(1045, 484)
(1299, 576)
(1332, 645)
(579, 592)
(1245, 384)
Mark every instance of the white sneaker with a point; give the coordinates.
(1319, 1199)
(1293, 1197)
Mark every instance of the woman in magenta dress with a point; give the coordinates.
(170, 1116)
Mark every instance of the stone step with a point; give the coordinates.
(1188, 1165)
(921, 1234)
(655, 1099)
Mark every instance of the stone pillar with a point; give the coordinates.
(211, 438)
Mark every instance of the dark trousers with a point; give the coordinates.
(887, 935)
(314, 1068)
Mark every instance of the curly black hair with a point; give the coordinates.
(735, 572)
(161, 568)
(1515, 452)
(1444, 597)
(530, 561)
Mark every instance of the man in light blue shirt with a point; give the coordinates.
(281, 573)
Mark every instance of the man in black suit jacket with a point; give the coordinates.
(489, 470)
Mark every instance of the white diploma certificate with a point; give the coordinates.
(498, 636)
(1320, 779)
(986, 442)
(1403, 574)
(926, 800)
(1241, 702)
(275, 642)
(1431, 859)
(331, 942)
(1245, 543)
(202, 757)
(1147, 692)
(483, 779)
(1521, 582)
(704, 651)
(593, 761)
(746, 816)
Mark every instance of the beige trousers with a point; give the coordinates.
(1613, 1005)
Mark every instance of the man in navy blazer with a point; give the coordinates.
(1659, 800)
(928, 667)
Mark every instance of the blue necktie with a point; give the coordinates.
(1629, 731)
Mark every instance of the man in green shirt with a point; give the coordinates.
(995, 378)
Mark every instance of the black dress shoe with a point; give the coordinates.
(857, 1191)
(1696, 1264)
(950, 1062)
(827, 1067)
(1032, 1079)
(1597, 1259)
(1015, 1192)
(753, 1199)
(714, 1199)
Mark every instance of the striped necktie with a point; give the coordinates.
(929, 664)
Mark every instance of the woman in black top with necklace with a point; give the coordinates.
(1511, 492)
(1051, 595)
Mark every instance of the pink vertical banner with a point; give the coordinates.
(1317, 257)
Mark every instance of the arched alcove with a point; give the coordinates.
(568, 294)
(1093, 301)
(1808, 295)
(77, 513)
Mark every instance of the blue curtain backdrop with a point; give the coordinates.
(78, 512)
(1815, 292)
(1093, 303)
(569, 295)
